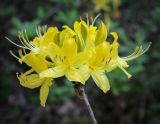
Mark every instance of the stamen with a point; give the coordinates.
(25, 41)
(28, 72)
(134, 53)
(124, 70)
(96, 18)
(24, 51)
(44, 29)
(91, 19)
(37, 32)
(80, 18)
(138, 52)
(40, 30)
(21, 39)
(22, 57)
(26, 37)
(87, 19)
(14, 55)
(15, 43)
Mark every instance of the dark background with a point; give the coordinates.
(133, 101)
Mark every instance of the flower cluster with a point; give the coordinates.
(77, 54)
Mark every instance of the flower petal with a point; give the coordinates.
(30, 81)
(73, 75)
(55, 72)
(101, 34)
(111, 65)
(50, 36)
(52, 50)
(122, 62)
(115, 45)
(81, 58)
(101, 80)
(85, 72)
(44, 90)
(37, 62)
(69, 48)
(102, 52)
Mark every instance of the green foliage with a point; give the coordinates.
(5, 87)
(7, 11)
(18, 25)
(61, 93)
(67, 17)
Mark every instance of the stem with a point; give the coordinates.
(85, 98)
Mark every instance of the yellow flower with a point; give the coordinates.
(77, 54)
(121, 62)
(96, 67)
(31, 79)
(67, 61)
(42, 42)
(115, 60)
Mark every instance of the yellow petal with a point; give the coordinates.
(30, 81)
(69, 48)
(37, 62)
(102, 52)
(64, 35)
(44, 90)
(55, 72)
(115, 36)
(84, 32)
(91, 33)
(50, 36)
(101, 80)
(85, 72)
(115, 45)
(73, 74)
(69, 30)
(101, 34)
(81, 58)
(111, 65)
(52, 50)
(77, 27)
(36, 41)
(81, 30)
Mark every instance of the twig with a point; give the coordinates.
(81, 89)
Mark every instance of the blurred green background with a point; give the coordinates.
(133, 101)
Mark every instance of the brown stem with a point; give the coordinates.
(81, 89)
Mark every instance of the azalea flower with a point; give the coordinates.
(31, 79)
(77, 54)
(121, 62)
(66, 63)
